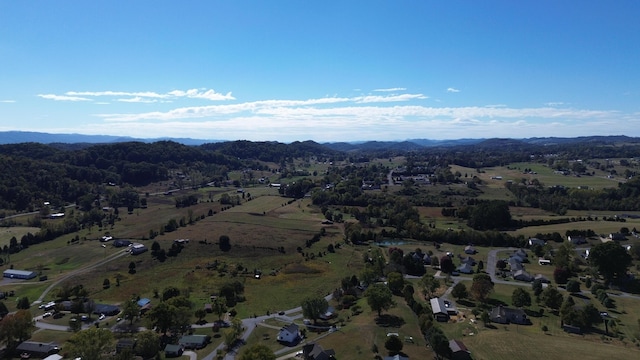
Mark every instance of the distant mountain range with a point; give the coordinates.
(16, 137)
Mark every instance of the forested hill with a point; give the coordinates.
(62, 173)
(272, 151)
(34, 172)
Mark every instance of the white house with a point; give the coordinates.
(289, 333)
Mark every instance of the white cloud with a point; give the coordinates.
(556, 103)
(391, 89)
(393, 98)
(496, 106)
(137, 99)
(452, 90)
(62, 97)
(205, 94)
(7, 101)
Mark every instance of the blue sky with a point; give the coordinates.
(321, 70)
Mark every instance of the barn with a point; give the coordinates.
(19, 274)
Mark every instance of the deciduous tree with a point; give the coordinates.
(551, 298)
(258, 352)
(90, 344)
(611, 260)
(395, 282)
(16, 328)
(520, 297)
(147, 344)
(313, 307)
(393, 344)
(481, 287)
(459, 291)
(379, 297)
(429, 285)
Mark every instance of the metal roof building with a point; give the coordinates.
(19, 274)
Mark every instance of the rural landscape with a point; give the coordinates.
(494, 249)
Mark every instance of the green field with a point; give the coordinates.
(6, 233)
(269, 233)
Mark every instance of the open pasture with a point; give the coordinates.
(497, 176)
(6, 233)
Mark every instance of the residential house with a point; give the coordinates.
(439, 309)
(522, 253)
(515, 264)
(505, 315)
(37, 349)
(194, 341)
(576, 240)
(535, 241)
(458, 350)
(172, 350)
(617, 237)
(313, 351)
(465, 269)
(522, 275)
(541, 278)
(108, 310)
(289, 334)
(468, 260)
(470, 250)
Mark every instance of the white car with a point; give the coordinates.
(102, 316)
(47, 314)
